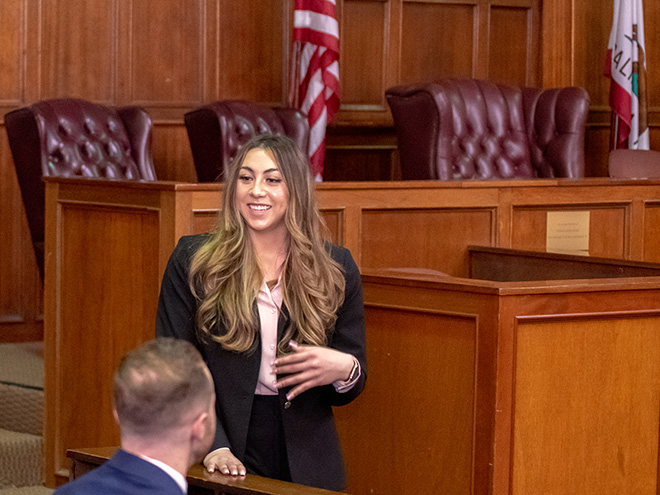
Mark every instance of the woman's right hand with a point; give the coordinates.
(223, 461)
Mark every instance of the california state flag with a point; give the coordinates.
(626, 67)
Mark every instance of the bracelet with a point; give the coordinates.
(354, 370)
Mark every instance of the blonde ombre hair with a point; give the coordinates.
(225, 276)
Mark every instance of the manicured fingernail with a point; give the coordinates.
(289, 396)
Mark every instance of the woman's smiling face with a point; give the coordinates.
(262, 196)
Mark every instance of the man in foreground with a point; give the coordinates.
(164, 403)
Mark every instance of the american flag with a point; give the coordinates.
(315, 71)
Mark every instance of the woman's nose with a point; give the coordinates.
(257, 187)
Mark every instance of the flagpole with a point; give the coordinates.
(614, 131)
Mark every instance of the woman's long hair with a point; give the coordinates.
(225, 276)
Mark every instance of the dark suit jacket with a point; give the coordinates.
(312, 443)
(123, 474)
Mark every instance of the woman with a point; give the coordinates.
(277, 314)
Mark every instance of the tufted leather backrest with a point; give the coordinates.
(456, 129)
(555, 120)
(75, 138)
(218, 130)
(634, 164)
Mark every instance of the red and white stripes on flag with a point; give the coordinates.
(626, 67)
(315, 72)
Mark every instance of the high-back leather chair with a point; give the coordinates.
(456, 129)
(634, 164)
(218, 130)
(75, 138)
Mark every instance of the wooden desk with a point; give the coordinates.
(200, 482)
(507, 388)
(107, 245)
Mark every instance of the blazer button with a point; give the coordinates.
(287, 404)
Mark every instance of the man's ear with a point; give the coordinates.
(198, 430)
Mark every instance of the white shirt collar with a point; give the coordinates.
(176, 475)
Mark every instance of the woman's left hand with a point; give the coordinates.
(311, 366)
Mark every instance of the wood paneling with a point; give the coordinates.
(437, 405)
(573, 52)
(551, 432)
(167, 40)
(12, 13)
(172, 154)
(363, 38)
(78, 49)
(465, 333)
(512, 61)
(437, 40)
(253, 50)
(430, 237)
(173, 55)
(529, 228)
(21, 298)
(587, 403)
(652, 231)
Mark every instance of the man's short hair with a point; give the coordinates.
(158, 384)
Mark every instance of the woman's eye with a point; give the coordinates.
(244, 178)
(274, 180)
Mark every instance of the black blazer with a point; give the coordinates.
(312, 443)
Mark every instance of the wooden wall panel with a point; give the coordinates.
(95, 242)
(363, 41)
(437, 405)
(253, 50)
(78, 48)
(511, 59)
(21, 287)
(434, 230)
(652, 231)
(529, 228)
(437, 40)
(573, 52)
(583, 392)
(21, 300)
(166, 52)
(172, 154)
(370, 38)
(12, 64)
(173, 55)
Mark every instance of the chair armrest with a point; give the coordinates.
(139, 128)
(555, 120)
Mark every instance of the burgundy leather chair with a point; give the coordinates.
(634, 164)
(218, 130)
(75, 138)
(456, 129)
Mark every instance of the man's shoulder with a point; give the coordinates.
(123, 474)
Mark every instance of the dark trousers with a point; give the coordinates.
(265, 453)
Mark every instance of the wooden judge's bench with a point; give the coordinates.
(490, 372)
